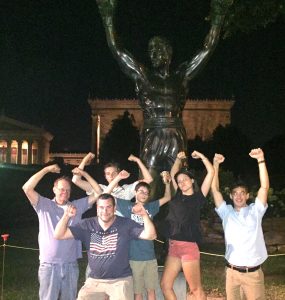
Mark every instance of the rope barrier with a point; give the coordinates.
(202, 252)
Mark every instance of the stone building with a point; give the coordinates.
(22, 143)
(200, 117)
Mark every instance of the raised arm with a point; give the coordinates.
(97, 191)
(149, 232)
(206, 185)
(262, 193)
(144, 171)
(166, 179)
(191, 68)
(122, 175)
(83, 184)
(127, 62)
(29, 186)
(62, 232)
(215, 187)
(179, 161)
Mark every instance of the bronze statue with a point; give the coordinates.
(161, 92)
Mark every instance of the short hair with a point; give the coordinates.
(66, 178)
(142, 184)
(159, 40)
(184, 171)
(106, 196)
(239, 184)
(112, 165)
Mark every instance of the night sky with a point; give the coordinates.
(54, 54)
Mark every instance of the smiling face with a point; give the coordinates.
(185, 184)
(106, 210)
(110, 173)
(61, 190)
(142, 194)
(239, 195)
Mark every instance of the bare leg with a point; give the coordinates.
(151, 295)
(192, 275)
(138, 297)
(171, 269)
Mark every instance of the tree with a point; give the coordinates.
(248, 15)
(121, 141)
(274, 152)
(235, 146)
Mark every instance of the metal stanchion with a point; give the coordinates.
(5, 238)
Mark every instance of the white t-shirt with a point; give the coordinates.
(124, 192)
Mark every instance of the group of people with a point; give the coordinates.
(119, 240)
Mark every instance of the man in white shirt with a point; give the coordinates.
(245, 246)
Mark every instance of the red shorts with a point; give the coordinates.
(184, 250)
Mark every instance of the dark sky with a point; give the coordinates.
(54, 53)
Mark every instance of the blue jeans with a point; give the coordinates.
(58, 281)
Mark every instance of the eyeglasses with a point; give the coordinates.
(143, 192)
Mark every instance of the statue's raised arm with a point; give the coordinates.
(161, 93)
(218, 12)
(127, 62)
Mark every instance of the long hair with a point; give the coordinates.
(191, 175)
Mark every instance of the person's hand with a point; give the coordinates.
(77, 171)
(133, 158)
(70, 211)
(218, 158)
(53, 168)
(181, 155)
(88, 158)
(166, 178)
(257, 154)
(123, 174)
(197, 155)
(139, 209)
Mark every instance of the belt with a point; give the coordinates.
(243, 269)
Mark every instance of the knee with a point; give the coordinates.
(198, 292)
(165, 286)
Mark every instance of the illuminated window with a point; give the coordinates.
(3, 151)
(24, 153)
(14, 152)
(35, 153)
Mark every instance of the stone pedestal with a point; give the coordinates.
(180, 287)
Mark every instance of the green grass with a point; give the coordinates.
(21, 267)
(213, 274)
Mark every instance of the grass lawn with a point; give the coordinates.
(213, 273)
(21, 266)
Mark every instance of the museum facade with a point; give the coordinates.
(22, 143)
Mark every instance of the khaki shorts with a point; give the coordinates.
(121, 288)
(145, 275)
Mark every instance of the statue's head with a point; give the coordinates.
(160, 51)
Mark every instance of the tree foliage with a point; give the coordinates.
(249, 15)
(121, 141)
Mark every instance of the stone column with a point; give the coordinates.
(19, 160)
(94, 133)
(30, 149)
